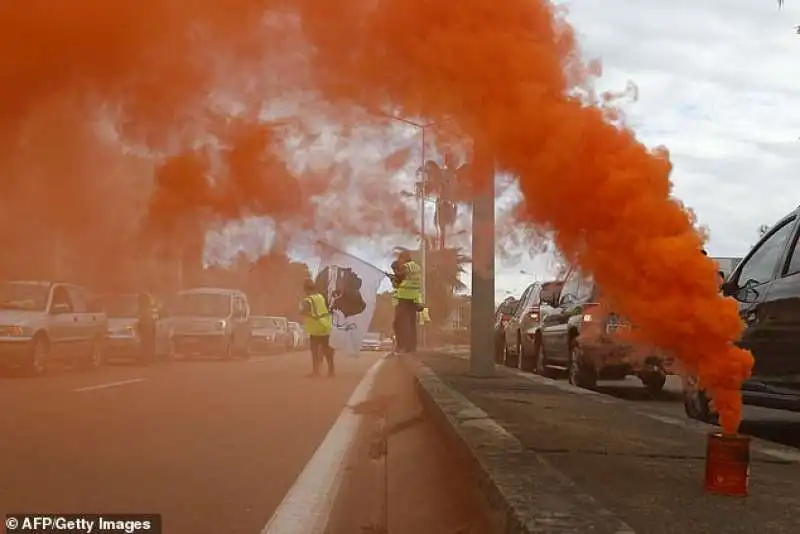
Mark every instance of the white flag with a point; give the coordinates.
(350, 286)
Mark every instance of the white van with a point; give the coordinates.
(211, 322)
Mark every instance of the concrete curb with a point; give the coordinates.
(525, 493)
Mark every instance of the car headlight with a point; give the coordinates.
(12, 331)
(220, 325)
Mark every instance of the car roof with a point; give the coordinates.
(32, 282)
(210, 291)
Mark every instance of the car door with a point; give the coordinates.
(84, 322)
(63, 324)
(750, 286)
(511, 330)
(555, 326)
(777, 314)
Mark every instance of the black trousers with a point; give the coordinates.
(321, 348)
(405, 324)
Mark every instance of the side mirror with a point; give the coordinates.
(57, 309)
(729, 288)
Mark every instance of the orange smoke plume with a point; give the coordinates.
(507, 74)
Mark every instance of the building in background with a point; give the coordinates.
(727, 265)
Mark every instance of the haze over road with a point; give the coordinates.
(213, 446)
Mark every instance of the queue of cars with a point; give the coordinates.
(560, 327)
(42, 323)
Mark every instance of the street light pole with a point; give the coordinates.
(481, 357)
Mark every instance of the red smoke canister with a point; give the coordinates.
(727, 464)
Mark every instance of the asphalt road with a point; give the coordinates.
(212, 446)
(773, 425)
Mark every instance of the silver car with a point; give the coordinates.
(42, 322)
(211, 322)
(124, 336)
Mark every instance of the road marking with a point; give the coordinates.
(109, 385)
(307, 505)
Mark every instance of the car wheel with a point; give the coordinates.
(541, 367)
(696, 403)
(39, 359)
(579, 374)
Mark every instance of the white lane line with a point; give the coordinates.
(109, 385)
(307, 505)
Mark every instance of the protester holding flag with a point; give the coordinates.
(317, 323)
(350, 285)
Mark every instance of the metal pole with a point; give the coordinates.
(481, 358)
(423, 241)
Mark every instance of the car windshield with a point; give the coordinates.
(372, 336)
(202, 305)
(270, 323)
(24, 296)
(118, 305)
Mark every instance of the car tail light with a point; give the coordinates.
(590, 313)
(534, 313)
(504, 319)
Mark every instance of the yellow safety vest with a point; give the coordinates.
(411, 286)
(319, 323)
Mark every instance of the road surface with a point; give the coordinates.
(213, 446)
(774, 425)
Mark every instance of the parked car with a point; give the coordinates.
(283, 339)
(766, 285)
(371, 342)
(521, 335)
(501, 317)
(263, 335)
(211, 321)
(42, 322)
(124, 311)
(579, 338)
(300, 339)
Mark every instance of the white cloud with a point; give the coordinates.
(718, 87)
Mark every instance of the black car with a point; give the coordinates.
(501, 316)
(580, 337)
(766, 285)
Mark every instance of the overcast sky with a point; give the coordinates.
(719, 86)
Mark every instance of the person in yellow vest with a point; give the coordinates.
(317, 324)
(408, 292)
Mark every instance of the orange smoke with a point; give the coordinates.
(502, 72)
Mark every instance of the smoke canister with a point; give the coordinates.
(727, 464)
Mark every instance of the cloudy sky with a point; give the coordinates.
(718, 86)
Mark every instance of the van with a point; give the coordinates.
(211, 322)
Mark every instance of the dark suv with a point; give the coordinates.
(579, 339)
(522, 338)
(766, 285)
